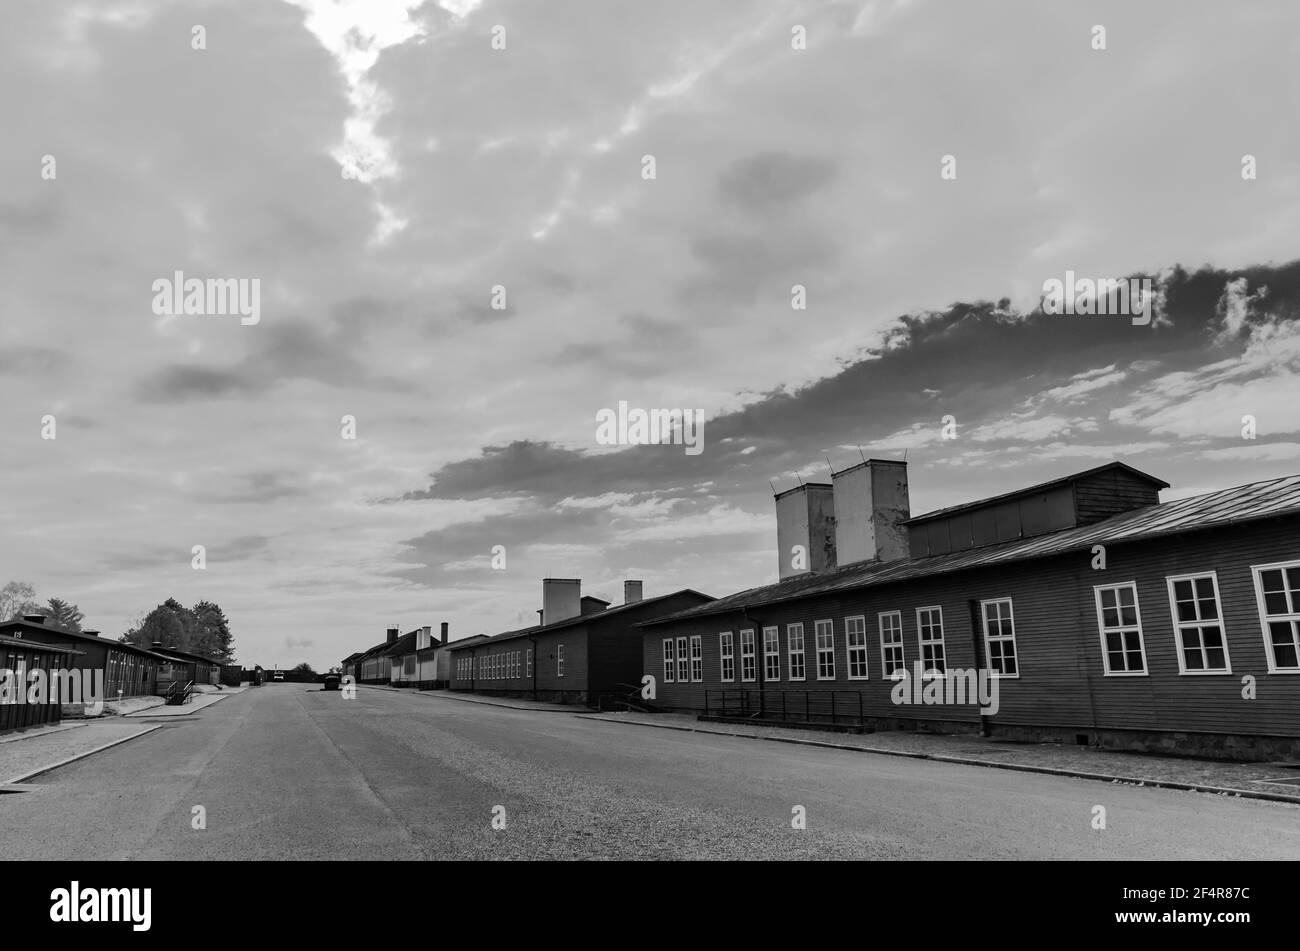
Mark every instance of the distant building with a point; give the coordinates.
(1101, 615)
(582, 652)
(185, 667)
(129, 671)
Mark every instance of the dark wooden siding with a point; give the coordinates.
(1062, 678)
(546, 647)
(615, 643)
(1104, 494)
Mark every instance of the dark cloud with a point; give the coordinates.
(773, 179)
(278, 352)
(23, 360)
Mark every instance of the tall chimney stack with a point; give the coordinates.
(805, 529)
(871, 504)
(445, 634)
(631, 592)
(392, 635)
(561, 599)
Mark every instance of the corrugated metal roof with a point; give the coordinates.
(1245, 503)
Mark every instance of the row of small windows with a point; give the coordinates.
(1193, 600)
(502, 666)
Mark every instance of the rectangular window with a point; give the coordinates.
(929, 627)
(855, 640)
(825, 633)
(1120, 624)
(529, 659)
(727, 651)
(559, 660)
(1277, 591)
(1000, 637)
(697, 658)
(771, 654)
(794, 642)
(670, 662)
(747, 667)
(683, 662)
(891, 644)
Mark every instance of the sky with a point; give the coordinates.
(459, 246)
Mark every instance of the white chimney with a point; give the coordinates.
(871, 504)
(561, 599)
(631, 592)
(805, 529)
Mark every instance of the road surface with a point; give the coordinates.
(289, 771)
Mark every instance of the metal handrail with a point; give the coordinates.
(817, 706)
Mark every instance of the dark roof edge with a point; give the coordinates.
(1030, 490)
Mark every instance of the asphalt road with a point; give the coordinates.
(288, 771)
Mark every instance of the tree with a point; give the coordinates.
(202, 629)
(64, 615)
(16, 599)
(304, 668)
(213, 632)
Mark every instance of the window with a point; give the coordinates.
(825, 633)
(855, 640)
(670, 662)
(747, 668)
(697, 658)
(727, 651)
(1277, 589)
(794, 642)
(771, 654)
(1000, 637)
(559, 660)
(891, 644)
(1120, 623)
(529, 659)
(929, 627)
(683, 662)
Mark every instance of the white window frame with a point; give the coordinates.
(927, 671)
(528, 655)
(827, 625)
(670, 661)
(1101, 629)
(989, 639)
(748, 655)
(697, 658)
(850, 649)
(683, 661)
(801, 653)
(727, 656)
(887, 647)
(772, 657)
(559, 660)
(1293, 617)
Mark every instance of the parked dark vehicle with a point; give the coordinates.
(332, 681)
